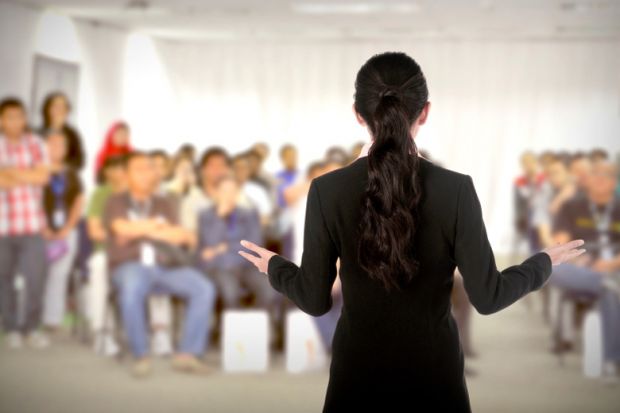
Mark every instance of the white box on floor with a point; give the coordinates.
(305, 350)
(245, 340)
(592, 344)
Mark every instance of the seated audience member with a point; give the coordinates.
(182, 184)
(326, 323)
(598, 154)
(557, 189)
(257, 194)
(256, 156)
(160, 307)
(145, 257)
(284, 179)
(63, 203)
(161, 160)
(595, 218)
(261, 175)
(580, 166)
(24, 171)
(111, 180)
(221, 227)
(214, 163)
(526, 189)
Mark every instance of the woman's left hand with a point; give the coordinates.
(263, 255)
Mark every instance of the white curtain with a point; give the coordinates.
(490, 101)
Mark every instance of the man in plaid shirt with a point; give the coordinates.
(23, 173)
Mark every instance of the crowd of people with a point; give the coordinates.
(157, 228)
(565, 196)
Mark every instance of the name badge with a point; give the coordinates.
(147, 254)
(59, 218)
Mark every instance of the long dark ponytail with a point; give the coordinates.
(390, 94)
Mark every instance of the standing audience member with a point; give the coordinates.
(112, 180)
(55, 113)
(144, 254)
(63, 203)
(595, 218)
(24, 171)
(116, 142)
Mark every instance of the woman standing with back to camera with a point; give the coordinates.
(400, 225)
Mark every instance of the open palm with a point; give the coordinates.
(263, 255)
(565, 252)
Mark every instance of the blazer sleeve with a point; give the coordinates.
(308, 285)
(490, 290)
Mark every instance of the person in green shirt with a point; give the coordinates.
(110, 180)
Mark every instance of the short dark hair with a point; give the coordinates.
(134, 154)
(214, 151)
(599, 153)
(11, 102)
(114, 161)
(159, 153)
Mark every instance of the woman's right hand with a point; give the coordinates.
(561, 253)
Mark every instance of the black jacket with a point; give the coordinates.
(400, 350)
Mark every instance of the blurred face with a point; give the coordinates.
(58, 110)
(529, 164)
(262, 150)
(602, 180)
(185, 170)
(289, 158)
(580, 170)
(160, 164)
(227, 193)
(215, 167)
(13, 122)
(115, 176)
(57, 147)
(558, 174)
(141, 175)
(242, 169)
(121, 137)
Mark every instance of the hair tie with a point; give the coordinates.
(388, 91)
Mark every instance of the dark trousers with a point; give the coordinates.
(231, 281)
(24, 255)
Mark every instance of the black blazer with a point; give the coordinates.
(400, 350)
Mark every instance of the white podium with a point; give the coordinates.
(245, 340)
(305, 350)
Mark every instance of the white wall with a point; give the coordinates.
(490, 100)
